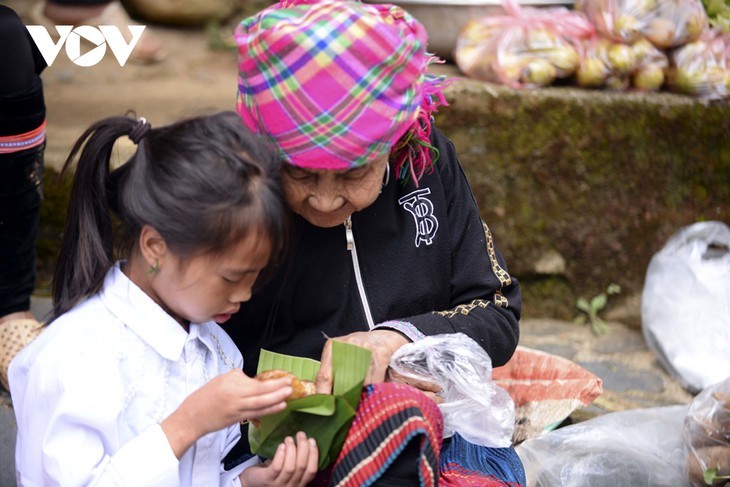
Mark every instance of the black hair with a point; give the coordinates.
(203, 183)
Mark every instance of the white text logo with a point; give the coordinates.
(71, 36)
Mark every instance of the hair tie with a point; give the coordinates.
(139, 130)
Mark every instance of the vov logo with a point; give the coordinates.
(70, 36)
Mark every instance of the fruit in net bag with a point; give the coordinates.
(665, 23)
(702, 68)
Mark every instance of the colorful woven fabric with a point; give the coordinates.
(389, 417)
(334, 83)
(16, 143)
(465, 464)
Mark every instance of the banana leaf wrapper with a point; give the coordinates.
(324, 417)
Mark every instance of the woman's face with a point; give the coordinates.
(325, 198)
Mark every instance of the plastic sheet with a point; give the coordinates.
(473, 404)
(685, 305)
(635, 447)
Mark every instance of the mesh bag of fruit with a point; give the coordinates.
(702, 68)
(665, 23)
(526, 47)
(605, 63)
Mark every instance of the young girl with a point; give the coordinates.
(133, 382)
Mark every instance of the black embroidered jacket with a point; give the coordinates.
(425, 257)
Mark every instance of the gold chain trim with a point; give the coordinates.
(464, 309)
(501, 274)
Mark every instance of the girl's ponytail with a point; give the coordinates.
(87, 247)
(203, 183)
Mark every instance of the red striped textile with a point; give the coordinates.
(15, 143)
(390, 416)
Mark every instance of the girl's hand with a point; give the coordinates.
(294, 464)
(382, 343)
(227, 399)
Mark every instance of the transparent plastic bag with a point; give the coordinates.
(707, 435)
(635, 447)
(666, 23)
(685, 305)
(527, 47)
(702, 68)
(473, 404)
(611, 64)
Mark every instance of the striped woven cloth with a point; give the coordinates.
(15, 143)
(392, 416)
(333, 83)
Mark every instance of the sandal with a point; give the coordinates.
(149, 48)
(15, 335)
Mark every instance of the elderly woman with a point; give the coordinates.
(388, 245)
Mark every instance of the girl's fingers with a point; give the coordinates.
(302, 452)
(265, 401)
(312, 461)
(278, 461)
(288, 464)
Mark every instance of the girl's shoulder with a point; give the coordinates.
(86, 332)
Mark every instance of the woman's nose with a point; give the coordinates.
(325, 201)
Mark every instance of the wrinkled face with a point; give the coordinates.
(325, 198)
(210, 287)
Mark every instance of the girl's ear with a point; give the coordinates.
(152, 246)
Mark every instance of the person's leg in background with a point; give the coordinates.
(149, 49)
(22, 144)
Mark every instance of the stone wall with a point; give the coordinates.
(581, 187)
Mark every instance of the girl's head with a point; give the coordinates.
(198, 211)
(339, 86)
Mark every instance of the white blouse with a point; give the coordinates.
(90, 392)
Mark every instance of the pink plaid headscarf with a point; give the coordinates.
(337, 83)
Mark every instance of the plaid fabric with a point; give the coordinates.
(334, 83)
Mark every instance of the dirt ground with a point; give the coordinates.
(193, 79)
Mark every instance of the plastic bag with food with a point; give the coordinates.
(527, 47)
(666, 23)
(650, 66)
(685, 305)
(702, 68)
(707, 436)
(473, 404)
(605, 63)
(637, 447)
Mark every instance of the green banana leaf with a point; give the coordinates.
(324, 417)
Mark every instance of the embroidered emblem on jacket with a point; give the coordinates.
(421, 208)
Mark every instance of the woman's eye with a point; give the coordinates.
(355, 175)
(229, 281)
(298, 174)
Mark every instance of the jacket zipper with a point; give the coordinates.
(356, 265)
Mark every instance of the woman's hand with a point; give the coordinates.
(294, 464)
(225, 400)
(429, 388)
(382, 343)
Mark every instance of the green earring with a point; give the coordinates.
(153, 268)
